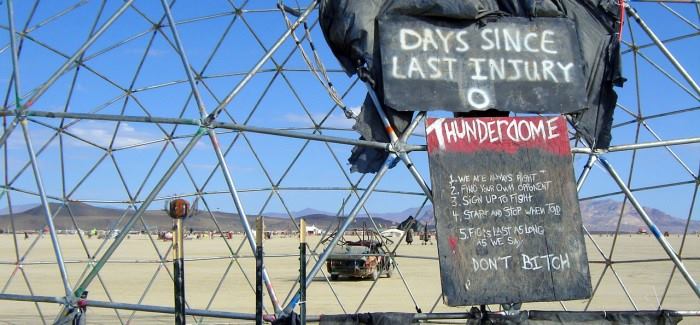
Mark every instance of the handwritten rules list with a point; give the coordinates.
(508, 219)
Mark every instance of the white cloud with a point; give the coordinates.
(203, 143)
(101, 133)
(97, 132)
(38, 135)
(298, 119)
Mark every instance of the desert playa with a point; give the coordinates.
(217, 281)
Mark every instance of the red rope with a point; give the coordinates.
(621, 4)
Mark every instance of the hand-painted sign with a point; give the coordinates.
(508, 220)
(459, 66)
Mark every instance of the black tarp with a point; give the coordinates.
(72, 316)
(291, 319)
(410, 222)
(368, 318)
(661, 317)
(349, 29)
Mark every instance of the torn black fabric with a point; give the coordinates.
(370, 126)
(597, 24)
(410, 222)
(291, 319)
(350, 30)
(73, 316)
(367, 319)
(348, 27)
(661, 317)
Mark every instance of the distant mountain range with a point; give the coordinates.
(87, 217)
(603, 216)
(598, 216)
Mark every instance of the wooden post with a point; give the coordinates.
(179, 209)
(302, 270)
(259, 235)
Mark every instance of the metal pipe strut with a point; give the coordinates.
(178, 161)
(260, 234)
(302, 270)
(47, 212)
(179, 270)
(185, 62)
(217, 149)
(242, 216)
(69, 63)
(393, 158)
(641, 145)
(398, 143)
(214, 114)
(655, 230)
(142, 209)
(633, 13)
(179, 209)
(33, 158)
(584, 173)
(397, 149)
(214, 125)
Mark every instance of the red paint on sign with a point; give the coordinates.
(503, 134)
(453, 243)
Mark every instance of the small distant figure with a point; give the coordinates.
(426, 236)
(409, 236)
(666, 234)
(26, 235)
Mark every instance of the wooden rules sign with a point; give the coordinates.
(507, 213)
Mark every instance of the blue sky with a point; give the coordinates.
(287, 103)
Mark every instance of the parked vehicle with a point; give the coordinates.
(363, 258)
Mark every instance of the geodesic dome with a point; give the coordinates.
(240, 106)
